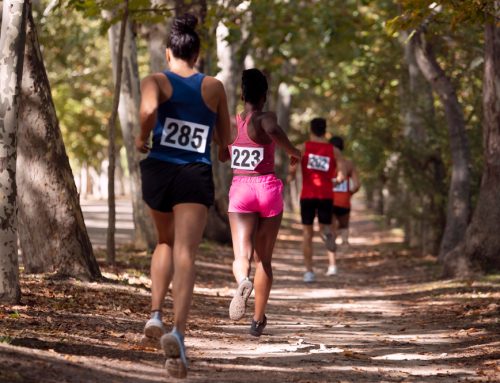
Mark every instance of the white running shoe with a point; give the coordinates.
(332, 270)
(154, 329)
(309, 277)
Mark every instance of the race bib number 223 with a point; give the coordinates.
(185, 135)
(246, 158)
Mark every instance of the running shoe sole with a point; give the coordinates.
(238, 304)
(153, 331)
(175, 363)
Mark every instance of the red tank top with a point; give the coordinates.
(247, 156)
(318, 169)
(342, 194)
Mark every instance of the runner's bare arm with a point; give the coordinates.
(292, 169)
(150, 94)
(270, 125)
(341, 166)
(222, 131)
(355, 179)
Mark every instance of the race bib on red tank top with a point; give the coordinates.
(317, 162)
(342, 187)
(184, 135)
(246, 158)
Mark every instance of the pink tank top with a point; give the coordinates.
(247, 156)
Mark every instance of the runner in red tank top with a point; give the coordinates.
(342, 194)
(320, 162)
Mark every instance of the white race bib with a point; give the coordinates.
(246, 158)
(341, 187)
(317, 162)
(185, 135)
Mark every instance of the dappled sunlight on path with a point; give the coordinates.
(386, 317)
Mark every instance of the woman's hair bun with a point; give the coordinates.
(184, 24)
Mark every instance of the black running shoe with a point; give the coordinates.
(257, 327)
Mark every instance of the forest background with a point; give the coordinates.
(412, 86)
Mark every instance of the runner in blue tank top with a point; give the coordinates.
(184, 109)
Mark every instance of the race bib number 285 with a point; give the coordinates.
(317, 162)
(185, 135)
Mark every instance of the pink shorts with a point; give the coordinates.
(259, 194)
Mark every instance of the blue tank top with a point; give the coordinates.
(184, 125)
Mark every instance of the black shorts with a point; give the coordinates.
(339, 211)
(309, 208)
(165, 185)
(341, 215)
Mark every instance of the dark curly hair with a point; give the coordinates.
(253, 86)
(183, 39)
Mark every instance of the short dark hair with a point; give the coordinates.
(253, 86)
(338, 142)
(183, 39)
(318, 126)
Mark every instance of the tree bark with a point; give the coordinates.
(218, 225)
(110, 238)
(283, 111)
(482, 242)
(128, 111)
(423, 227)
(12, 39)
(52, 231)
(459, 206)
(156, 37)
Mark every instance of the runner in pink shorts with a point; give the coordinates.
(255, 197)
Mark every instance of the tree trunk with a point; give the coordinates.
(110, 238)
(283, 111)
(418, 114)
(482, 242)
(458, 211)
(12, 39)
(218, 225)
(52, 232)
(156, 37)
(128, 111)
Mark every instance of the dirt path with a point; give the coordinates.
(385, 318)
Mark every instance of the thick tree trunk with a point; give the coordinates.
(128, 111)
(482, 242)
(110, 237)
(12, 39)
(52, 232)
(459, 208)
(423, 229)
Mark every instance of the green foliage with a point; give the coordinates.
(78, 65)
(342, 59)
(453, 13)
(5, 339)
